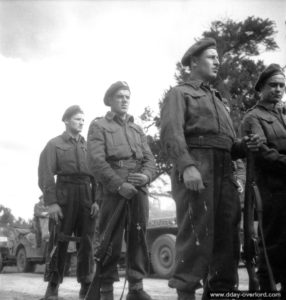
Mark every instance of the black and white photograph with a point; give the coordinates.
(143, 152)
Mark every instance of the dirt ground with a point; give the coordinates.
(30, 286)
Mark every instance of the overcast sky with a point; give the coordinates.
(54, 54)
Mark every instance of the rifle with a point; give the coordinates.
(250, 247)
(104, 251)
(252, 205)
(52, 257)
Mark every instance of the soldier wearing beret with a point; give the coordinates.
(69, 200)
(123, 165)
(267, 120)
(200, 140)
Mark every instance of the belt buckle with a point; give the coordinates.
(120, 163)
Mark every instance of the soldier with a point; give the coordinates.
(69, 199)
(267, 120)
(123, 165)
(198, 136)
(40, 211)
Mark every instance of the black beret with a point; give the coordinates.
(119, 85)
(71, 111)
(270, 71)
(198, 48)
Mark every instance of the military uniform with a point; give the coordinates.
(270, 167)
(39, 211)
(115, 149)
(196, 130)
(65, 157)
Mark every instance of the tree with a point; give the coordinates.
(152, 121)
(8, 219)
(239, 44)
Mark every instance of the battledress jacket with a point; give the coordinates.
(61, 156)
(270, 124)
(111, 140)
(193, 115)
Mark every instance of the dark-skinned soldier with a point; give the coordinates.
(268, 120)
(123, 165)
(198, 136)
(69, 200)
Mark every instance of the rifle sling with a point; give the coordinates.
(94, 289)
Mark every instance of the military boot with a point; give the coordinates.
(52, 291)
(186, 296)
(138, 295)
(83, 289)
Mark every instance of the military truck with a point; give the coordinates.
(161, 235)
(161, 239)
(18, 247)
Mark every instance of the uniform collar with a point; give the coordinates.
(198, 83)
(195, 83)
(112, 116)
(67, 137)
(268, 107)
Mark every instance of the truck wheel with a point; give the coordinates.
(1, 262)
(23, 265)
(163, 255)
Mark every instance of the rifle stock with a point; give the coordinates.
(94, 289)
(51, 258)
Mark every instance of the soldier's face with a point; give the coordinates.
(120, 102)
(273, 89)
(75, 123)
(208, 64)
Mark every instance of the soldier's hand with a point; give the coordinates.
(138, 179)
(193, 179)
(94, 210)
(55, 212)
(253, 142)
(127, 190)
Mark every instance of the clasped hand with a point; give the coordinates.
(193, 179)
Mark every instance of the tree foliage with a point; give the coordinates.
(238, 44)
(8, 219)
(152, 121)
